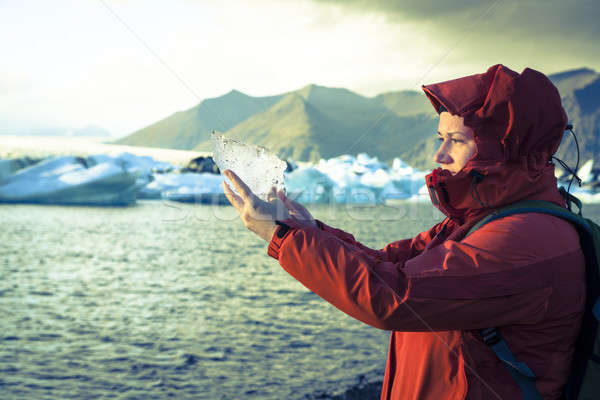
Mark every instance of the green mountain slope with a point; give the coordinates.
(340, 104)
(406, 102)
(291, 127)
(185, 129)
(309, 124)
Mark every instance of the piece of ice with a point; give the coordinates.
(257, 166)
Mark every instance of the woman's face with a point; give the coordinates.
(457, 145)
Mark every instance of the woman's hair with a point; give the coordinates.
(441, 109)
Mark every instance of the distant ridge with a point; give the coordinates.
(317, 121)
(185, 129)
(307, 124)
(578, 73)
(288, 128)
(580, 96)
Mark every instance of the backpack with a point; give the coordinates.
(584, 379)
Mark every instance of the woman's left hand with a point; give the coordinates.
(259, 216)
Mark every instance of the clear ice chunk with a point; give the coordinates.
(257, 166)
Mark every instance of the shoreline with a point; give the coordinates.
(46, 146)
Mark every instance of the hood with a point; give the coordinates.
(518, 123)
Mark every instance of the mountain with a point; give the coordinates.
(316, 121)
(580, 96)
(89, 131)
(405, 102)
(185, 129)
(288, 128)
(319, 122)
(567, 81)
(307, 124)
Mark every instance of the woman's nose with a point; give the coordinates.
(442, 156)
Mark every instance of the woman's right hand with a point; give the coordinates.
(296, 210)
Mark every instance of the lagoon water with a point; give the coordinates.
(168, 300)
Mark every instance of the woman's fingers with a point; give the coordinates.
(233, 198)
(282, 197)
(239, 185)
(272, 195)
(288, 203)
(295, 205)
(296, 209)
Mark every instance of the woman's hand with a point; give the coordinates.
(257, 215)
(296, 210)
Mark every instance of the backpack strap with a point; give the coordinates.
(533, 206)
(520, 372)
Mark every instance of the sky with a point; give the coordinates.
(125, 64)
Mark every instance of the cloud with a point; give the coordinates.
(91, 68)
(552, 34)
(577, 16)
(409, 8)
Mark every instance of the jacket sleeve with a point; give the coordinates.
(452, 286)
(394, 252)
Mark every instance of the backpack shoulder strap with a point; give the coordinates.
(519, 371)
(533, 206)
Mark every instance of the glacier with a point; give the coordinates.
(75, 180)
(360, 179)
(121, 180)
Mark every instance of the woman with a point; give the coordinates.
(523, 274)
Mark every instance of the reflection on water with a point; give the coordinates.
(173, 300)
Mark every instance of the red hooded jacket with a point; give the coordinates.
(523, 274)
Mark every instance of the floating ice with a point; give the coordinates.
(188, 183)
(360, 179)
(74, 180)
(257, 166)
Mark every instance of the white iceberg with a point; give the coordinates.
(12, 165)
(187, 187)
(360, 179)
(100, 180)
(342, 179)
(307, 184)
(107, 180)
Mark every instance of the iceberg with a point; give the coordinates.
(186, 187)
(96, 180)
(144, 164)
(10, 166)
(107, 180)
(307, 184)
(360, 179)
(257, 166)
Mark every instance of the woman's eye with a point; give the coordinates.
(439, 139)
(456, 141)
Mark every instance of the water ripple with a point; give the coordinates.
(121, 303)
